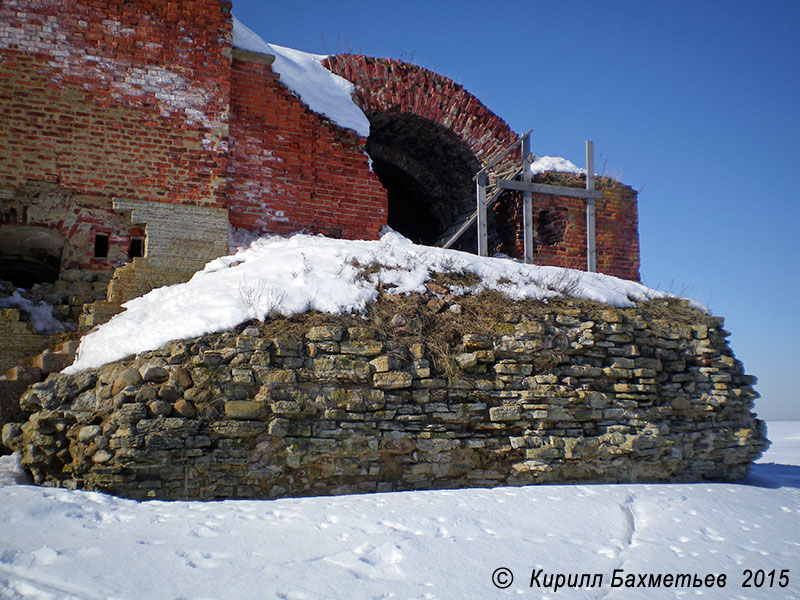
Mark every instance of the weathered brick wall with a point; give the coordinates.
(384, 84)
(75, 218)
(116, 98)
(180, 241)
(559, 224)
(106, 104)
(389, 90)
(292, 169)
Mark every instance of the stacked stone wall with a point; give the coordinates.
(18, 340)
(542, 393)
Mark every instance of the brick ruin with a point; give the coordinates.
(137, 131)
(134, 137)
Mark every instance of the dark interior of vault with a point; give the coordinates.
(427, 173)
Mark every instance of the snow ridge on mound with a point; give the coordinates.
(290, 275)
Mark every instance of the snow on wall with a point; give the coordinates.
(543, 164)
(303, 73)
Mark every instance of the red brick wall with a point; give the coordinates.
(114, 97)
(146, 100)
(392, 86)
(292, 169)
(384, 84)
(616, 227)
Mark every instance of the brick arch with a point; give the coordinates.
(428, 137)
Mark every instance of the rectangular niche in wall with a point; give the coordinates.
(136, 247)
(100, 245)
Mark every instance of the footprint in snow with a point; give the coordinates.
(712, 534)
(607, 552)
(206, 531)
(203, 560)
(45, 555)
(678, 551)
(331, 520)
(292, 596)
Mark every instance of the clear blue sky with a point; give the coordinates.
(694, 104)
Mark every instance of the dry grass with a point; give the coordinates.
(426, 320)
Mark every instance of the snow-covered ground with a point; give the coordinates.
(60, 544)
(306, 272)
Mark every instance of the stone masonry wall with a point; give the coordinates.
(292, 169)
(490, 393)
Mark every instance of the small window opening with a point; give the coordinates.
(101, 245)
(136, 247)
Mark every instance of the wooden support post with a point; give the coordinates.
(591, 247)
(527, 201)
(483, 237)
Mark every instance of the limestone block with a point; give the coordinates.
(245, 410)
(504, 413)
(392, 380)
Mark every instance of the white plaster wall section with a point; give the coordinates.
(174, 229)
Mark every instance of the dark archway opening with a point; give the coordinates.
(427, 172)
(29, 255)
(409, 204)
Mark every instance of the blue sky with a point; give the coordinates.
(694, 104)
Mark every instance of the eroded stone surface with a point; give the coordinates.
(646, 394)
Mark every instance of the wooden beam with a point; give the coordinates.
(555, 190)
(527, 202)
(591, 247)
(483, 229)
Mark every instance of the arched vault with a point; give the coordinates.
(428, 137)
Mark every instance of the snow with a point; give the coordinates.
(59, 544)
(303, 73)
(289, 275)
(40, 315)
(543, 164)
